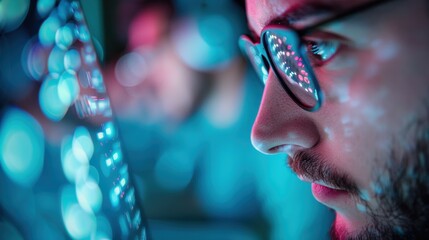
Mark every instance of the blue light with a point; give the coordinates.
(109, 129)
(83, 33)
(83, 147)
(174, 170)
(124, 224)
(48, 30)
(115, 156)
(64, 36)
(137, 220)
(100, 135)
(123, 182)
(104, 230)
(97, 81)
(74, 167)
(72, 60)
(117, 190)
(64, 10)
(44, 6)
(89, 55)
(68, 87)
(78, 222)
(109, 162)
(34, 59)
(12, 14)
(56, 60)
(22, 147)
(77, 13)
(130, 198)
(89, 196)
(114, 198)
(49, 99)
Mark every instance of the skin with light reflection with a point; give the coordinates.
(370, 138)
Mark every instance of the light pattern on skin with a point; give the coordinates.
(361, 207)
(385, 50)
(329, 133)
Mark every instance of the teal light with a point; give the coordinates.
(64, 36)
(89, 55)
(114, 197)
(34, 59)
(79, 223)
(68, 87)
(48, 30)
(104, 230)
(174, 170)
(72, 60)
(49, 99)
(12, 14)
(44, 6)
(74, 160)
(83, 147)
(56, 60)
(83, 33)
(22, 147)
(64, 10)
(89, 196)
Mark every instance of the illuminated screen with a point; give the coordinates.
(62, 171)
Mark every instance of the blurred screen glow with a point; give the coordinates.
(22, 147)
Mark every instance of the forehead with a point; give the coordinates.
(261, 12)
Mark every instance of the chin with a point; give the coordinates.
(343, 229)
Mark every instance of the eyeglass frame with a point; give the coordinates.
(299, 33)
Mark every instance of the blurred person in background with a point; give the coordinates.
(361, 137)
(185, 102)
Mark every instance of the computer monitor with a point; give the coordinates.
(62, 170)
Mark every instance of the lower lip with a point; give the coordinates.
(325, 194)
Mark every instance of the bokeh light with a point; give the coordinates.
(89, 55)
(174, 170)
(82, 32)
(89, 196)
(73, 166)
(72, 60)
(64, 10)
(64, 36)
(56, 60)
(78, 222)
(22, 147)
(12, 14)
(131, 69)
(45, 6)
(104, 230)
(48, 30)
(68, 87)
(83, 147)
(34, 59)
(49, 99)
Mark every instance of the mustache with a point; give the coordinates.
(314, 167)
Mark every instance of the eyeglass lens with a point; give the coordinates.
(283, 47)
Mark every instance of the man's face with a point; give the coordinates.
(366, 149)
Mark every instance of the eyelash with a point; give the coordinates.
(321, 51)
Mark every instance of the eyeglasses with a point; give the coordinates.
(284, 51)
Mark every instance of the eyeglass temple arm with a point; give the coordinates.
(341, 15)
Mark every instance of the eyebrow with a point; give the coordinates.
(298, 14)
(302, 13)
(308, 10)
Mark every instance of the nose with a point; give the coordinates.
(281, 125)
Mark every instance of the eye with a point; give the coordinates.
(321, 51)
